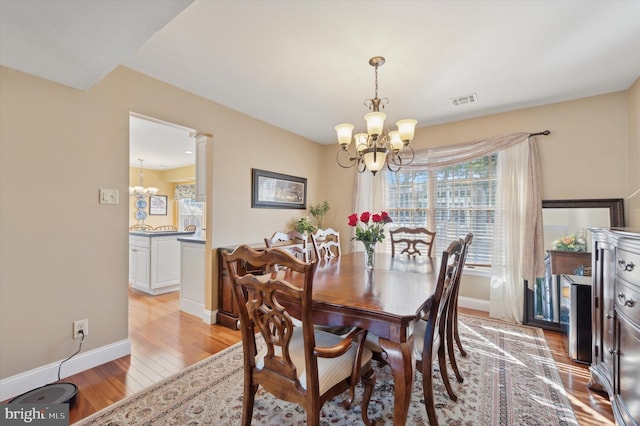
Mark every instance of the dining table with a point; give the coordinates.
(386, 301)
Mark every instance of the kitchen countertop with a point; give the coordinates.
(159, 233)
(196, 239)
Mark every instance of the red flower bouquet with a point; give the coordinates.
(369, 227)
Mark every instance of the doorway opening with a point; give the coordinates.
(162, 156)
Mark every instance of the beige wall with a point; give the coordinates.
(632, 205)
(58, 146)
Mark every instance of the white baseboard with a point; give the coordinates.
(20, 383)
(471, 303)
(210, 317)
(191, 307)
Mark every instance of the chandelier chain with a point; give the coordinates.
(376, 97)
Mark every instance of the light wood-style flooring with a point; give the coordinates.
(165, 340)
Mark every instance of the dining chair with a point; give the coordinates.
(430, 332)
(140, 227)
(165, 228)
(326, 243)
(292, 241)
(297, 364)
(326, 246)
(190, 228)
(452, 310)
(408, 240)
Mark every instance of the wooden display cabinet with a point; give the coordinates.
(616, 321)
(227, 310)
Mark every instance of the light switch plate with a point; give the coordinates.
(108, 196)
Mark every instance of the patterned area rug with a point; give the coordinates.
(510, 379)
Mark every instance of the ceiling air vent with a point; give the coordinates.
(464, 100)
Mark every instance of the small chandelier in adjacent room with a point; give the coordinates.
(140, 192)
(377, 147)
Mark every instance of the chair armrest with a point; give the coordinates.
(357, 334)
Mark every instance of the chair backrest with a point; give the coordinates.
(261, 306)
(140, 227)
(452, 308)
(293, 241)
(326, 243)
(190, 228)
(410, 239)
(466, 243)
(435, 326)
(165, 228)
(450, 267)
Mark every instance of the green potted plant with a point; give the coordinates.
(318, 211)
(304, 226)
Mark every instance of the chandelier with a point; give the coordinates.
(140, 192)
(378, 147)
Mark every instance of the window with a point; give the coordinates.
(190, 212)
(452, 201)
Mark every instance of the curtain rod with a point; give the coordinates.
(545, 133)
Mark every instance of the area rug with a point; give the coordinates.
(510, 378)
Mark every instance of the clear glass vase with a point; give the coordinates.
(370, 256)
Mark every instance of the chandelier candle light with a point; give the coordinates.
(140, 192)
(376, 148)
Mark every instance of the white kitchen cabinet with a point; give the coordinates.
(154, 263)
(192, 277)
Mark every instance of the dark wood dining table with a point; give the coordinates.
(385, 301)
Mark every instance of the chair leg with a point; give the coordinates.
(313, 417)
(427, 388)
(442, 362)
(369, 381)
(451, 327)
(456, 335)
(247, 405)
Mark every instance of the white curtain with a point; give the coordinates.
(443, 156)
(518, 249)
(370, 193)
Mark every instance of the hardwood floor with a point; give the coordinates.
(165, 340)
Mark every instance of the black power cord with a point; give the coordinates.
(56, 392)
(72, 355)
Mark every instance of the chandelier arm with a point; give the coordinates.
(400, 159)
(392, 161)
(350, 161)
(361, 166)
(405, 149)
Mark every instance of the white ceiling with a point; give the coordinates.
(303, 65)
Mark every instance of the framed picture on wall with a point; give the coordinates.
(277, 191)
(158, 205)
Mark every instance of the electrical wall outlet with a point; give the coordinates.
(80, 325)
